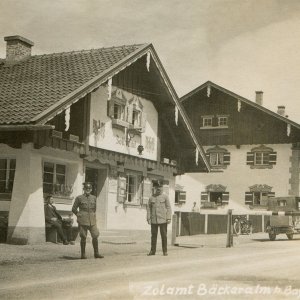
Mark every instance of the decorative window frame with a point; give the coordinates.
(129, 108)
(263, 190)
(262, 150)
(225, 156)
(219, 188)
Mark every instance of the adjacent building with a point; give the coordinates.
(253, 152)
(109, 116)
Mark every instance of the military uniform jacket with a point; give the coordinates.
(159, 209)
(87, 210)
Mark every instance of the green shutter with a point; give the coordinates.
(248, 198)
(250, 158)
(121, 189)
(272, 158)
(226, 159)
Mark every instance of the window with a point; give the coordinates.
(130, 188)
(216, 159)
(261, 158)
(7, 175)
(54, 178)
(222, 121)
(259, 195)
(136, 118)
(119, 111)
(207, 121)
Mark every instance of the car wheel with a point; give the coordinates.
(272, 236)
(290, 236)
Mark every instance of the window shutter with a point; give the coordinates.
(204, 197)
(271, 194)
(226, 159)
(166, 187)
(272, 158)
(143, 121)
(250, 158)
(207, 156)
(147, 191)
(248, 198)
(225, 197)
(121, 189)
(182, 196)
(110, 108)
(129, 113)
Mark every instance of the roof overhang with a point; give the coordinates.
(103, 77)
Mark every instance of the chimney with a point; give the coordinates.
(17, 48)
(281, 110)
(259, 97)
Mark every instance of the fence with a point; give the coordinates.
(192, 223)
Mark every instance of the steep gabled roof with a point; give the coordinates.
(242, 99)
(40, 87)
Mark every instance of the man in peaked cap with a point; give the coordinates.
(158, 216)
(84, 208)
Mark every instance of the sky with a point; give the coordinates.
(242, 45)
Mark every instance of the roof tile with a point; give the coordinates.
(31, 86)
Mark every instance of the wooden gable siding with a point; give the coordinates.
(249, 126)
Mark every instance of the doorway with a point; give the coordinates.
(97, 177)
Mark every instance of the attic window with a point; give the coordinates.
(207, 121)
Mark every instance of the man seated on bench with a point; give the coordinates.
(53, 218)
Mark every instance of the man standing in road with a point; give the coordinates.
(84, 208)
(158, 216)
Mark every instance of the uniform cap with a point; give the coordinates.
(87, 185)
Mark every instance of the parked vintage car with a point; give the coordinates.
(288, 219)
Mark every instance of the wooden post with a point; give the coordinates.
(179, 225)
(174, 229)
(229, 242)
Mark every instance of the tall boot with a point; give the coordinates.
(96, 249)
(82, 246)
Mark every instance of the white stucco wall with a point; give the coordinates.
(238, 176)
(131, 218)
(113, 138)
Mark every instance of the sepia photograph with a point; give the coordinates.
(149, 149)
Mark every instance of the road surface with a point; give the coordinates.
(260, 269)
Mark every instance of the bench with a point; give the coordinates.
(51, 232)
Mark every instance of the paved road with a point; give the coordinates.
(259, 269)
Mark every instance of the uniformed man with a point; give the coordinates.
(158, 216)
(84, 208)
